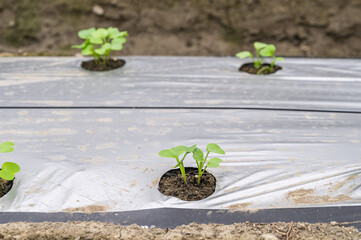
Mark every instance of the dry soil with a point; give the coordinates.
(245, 231)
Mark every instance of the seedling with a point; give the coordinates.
(8, 169)
(269, 51)
(262, 50)
(99, 42)
(175, 153)
(258, 61)
(202, 161)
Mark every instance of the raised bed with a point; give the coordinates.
(89, 141)
(184, 82)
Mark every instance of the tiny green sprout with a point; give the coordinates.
(258, 61)
(202, 161)
(269, 51)
(262, 50)
(175, 152)
(99, 42)
(8, 169)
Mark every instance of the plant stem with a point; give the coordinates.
(259, 61)
(255, 63)
(273, 59)
(200, 168)
(200, 175)
(181, 167)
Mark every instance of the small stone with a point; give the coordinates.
(334, 223)
(301, 226)
(268, 236)
(11, 23)
(98, 10)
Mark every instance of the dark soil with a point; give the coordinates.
(250, 68)
(5, 187)
(172, 184)
(110, 65)
(323, 28)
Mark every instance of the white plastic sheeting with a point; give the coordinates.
(274, 159)
(318, 84)
(107, 158)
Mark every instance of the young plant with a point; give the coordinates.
(8, 169)
(269, 51)
(175, 153)
(202, 161)
(258, 61)
(262, 50)
(99, 42)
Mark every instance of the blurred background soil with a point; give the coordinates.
(317, 28)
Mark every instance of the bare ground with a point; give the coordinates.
(323, 28)
(245, 231)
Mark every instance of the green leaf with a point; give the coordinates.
(100, 33)
(178, 150)
(167, 153)
(279, 59)
(121, 39)
(95, 40)
(259, 45)
(6, 147)
(103, 49)
(83, 45)
(88, 50)
(198, 155)
(7, 175)
(113, 32)
(117, 44)
(214, 162)
(212, 147)
(268, 51)
(85, 34)
(11, 167)
(191, 148)
(244, 54)
(123, 34)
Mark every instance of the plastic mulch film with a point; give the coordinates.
(108, 158)
(306, 84)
